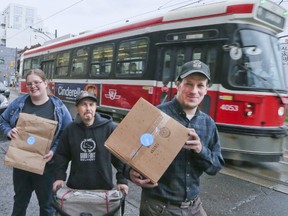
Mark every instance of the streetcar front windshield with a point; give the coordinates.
(256, 61)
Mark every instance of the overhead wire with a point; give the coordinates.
(162, 7)
(190, 3)
(52, 15)
(282, 1)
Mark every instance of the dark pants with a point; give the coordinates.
(153, 207)
(24, 185)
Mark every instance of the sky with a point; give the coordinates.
(76, 16)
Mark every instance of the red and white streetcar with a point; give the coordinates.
(236, 38)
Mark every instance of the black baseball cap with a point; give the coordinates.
(194, 66)
(85, 94)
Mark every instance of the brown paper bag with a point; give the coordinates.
(26, 151)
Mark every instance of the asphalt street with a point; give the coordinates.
(222, 195)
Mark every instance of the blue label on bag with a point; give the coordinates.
(31, 140)
(146, 139)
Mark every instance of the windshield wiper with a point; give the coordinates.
(262, 79)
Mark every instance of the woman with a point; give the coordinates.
(37, 102)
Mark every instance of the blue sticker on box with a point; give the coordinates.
(147, 139)
(31, 140)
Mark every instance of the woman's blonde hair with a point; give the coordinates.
(37, 72)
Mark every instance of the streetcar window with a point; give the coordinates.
(36, 63)
(211, 60)
(31, 63)
(197, 54)
(27, 66)
(62, 64)
(132, 56)
(51, 56)
(79, 62)
(167, 66)
(180, 60)
(101, 62)
(258, 65)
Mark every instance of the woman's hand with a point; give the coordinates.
(13, 133)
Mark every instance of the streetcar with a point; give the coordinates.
(236, 38)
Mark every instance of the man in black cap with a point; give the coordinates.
(177, 192)
(82, 143)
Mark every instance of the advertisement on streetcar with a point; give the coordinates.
(69, 91)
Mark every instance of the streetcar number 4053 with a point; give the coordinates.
(227, 107)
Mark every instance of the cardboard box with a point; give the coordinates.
(147, 139)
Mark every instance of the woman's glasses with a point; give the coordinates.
(35, 83)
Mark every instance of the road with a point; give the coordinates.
(222, 195)
(226, 194)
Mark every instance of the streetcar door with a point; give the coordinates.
(48, 68)
(170, 61)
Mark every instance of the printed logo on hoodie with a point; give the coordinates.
(88, 147)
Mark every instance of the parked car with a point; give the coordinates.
(4, 90)
(3, 103)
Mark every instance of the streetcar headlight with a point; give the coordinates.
(281, 111)
(249, 113)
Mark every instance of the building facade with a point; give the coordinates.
(20, 27)
(8, 65)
